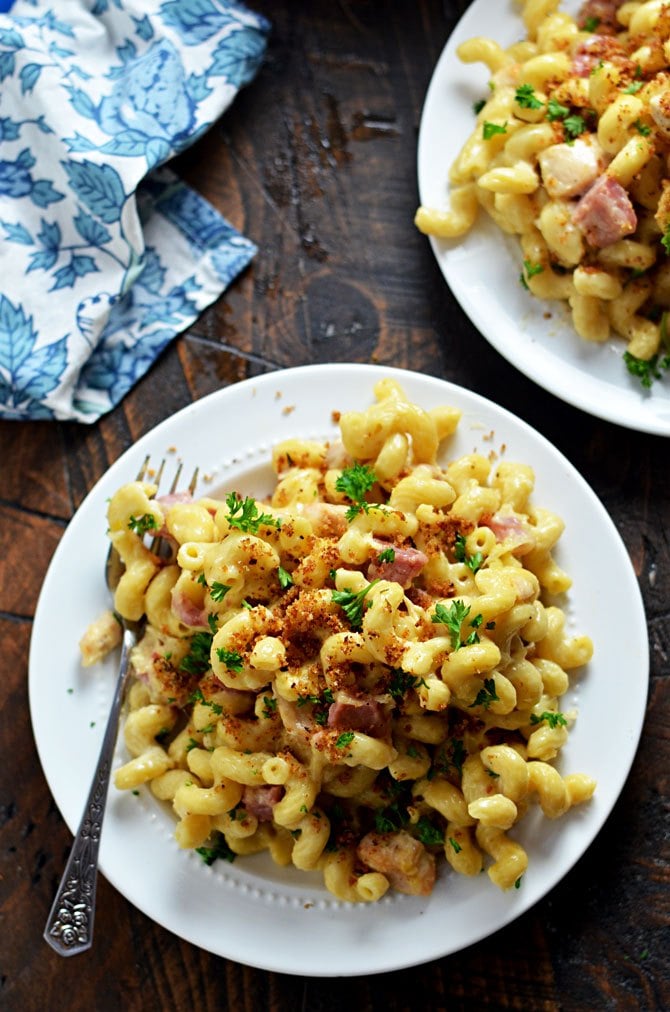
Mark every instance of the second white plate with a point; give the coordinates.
(483, 269)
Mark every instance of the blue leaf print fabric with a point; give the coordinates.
(106, 254)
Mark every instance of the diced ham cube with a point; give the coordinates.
(408, 866)
(605, 213)
(406, 565)
(596, 49)
(366, 715)
(602, 14)
(260, 801)
(509, 528)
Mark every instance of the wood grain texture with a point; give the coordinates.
(316, 163)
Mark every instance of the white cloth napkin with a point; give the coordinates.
(105, 254)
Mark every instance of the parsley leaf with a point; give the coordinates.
(526, 98)
(386, 555)
(486, 695)
(230, 658)
(633, 88)
(270, 706)
(220, 849)
(473, 562)
(196, 661)
(285, 578)
(456, 845)
(478, 106)
(642, 128)
(142, 525)
(646, 370)
(355, 482)
(352, 604)
(489, 130)
(401, 682)
(453, 617)
(591, 24)
(429, 833)
(344, 739)
(198, 697)
(443, 760)
(665, 241)
(244, 515)
(574, 126)
(218, 591)
(550, 718)
(555, 110)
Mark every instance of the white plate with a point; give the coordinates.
(483, 269)
(252, 911)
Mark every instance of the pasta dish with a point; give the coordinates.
(362, 675)
(569, 153)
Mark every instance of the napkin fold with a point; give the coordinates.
(105, 254)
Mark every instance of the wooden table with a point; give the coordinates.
(316, 163)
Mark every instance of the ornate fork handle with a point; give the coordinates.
(69, 927)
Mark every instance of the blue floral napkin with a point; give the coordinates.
(105, 254)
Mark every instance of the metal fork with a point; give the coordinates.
(69, 926)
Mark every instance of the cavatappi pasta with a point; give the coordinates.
(570, 153)
(363, 675)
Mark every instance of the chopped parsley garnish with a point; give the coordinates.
(192, 743)
(212, 623)
(285, 578)
(526, 98)
(207, 729)
(218, 591)
(244, 515)
(453, 617)
(394, 816)
(591, 24)
(550, 718)
(517, 884)
(489, 130)
(270, 707)
(456, 845)
(230, 658)
(633, 88)
(326, 697)
(665, 240)
(198, 697)
(401, 683)
(142, 525)
(355, 482)
(352, 604)
(220, 849)
(386, 555)
(556, 111)
(574, 126)
(473, 562)
(196, 661)
(642, 128)
(429, 833)
(646, 370)
(529, 271)
(444, 759)
(478, 106)
(532, 269)
(487, 694)
(344, 739)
